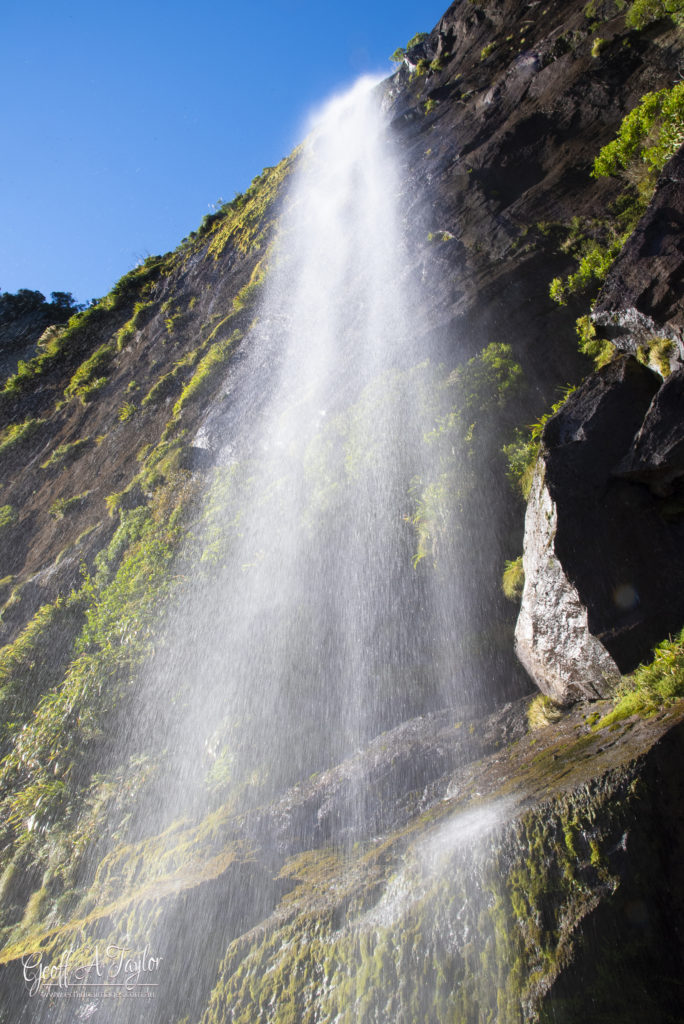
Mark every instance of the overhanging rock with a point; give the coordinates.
(604, 533)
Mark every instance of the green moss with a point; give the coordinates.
(38, 775)
(247, 295)
(487, 50)
(652, 686)
(32, 662)
(543, 711)
(8, 516)
(513, 579)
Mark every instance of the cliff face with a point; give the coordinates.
(464, 866)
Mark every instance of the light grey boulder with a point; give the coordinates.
(552, 638)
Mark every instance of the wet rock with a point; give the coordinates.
(643, 296)
(603, 552)
(657, 455)
(401, 772)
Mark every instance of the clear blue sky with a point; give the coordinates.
(124, 121)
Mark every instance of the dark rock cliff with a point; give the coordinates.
(465, 866)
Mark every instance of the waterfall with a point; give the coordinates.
(314, 614)
(304, 642)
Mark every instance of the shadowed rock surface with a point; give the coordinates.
(643, 295)
(602, 509)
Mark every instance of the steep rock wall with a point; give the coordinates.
(497, 129)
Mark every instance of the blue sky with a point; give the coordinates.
(123, 122)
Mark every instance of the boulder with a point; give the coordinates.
(604, 533)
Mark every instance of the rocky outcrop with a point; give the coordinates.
(604, 533)
(657, 456)
(552, 636)
(643, 296)
(485, 891)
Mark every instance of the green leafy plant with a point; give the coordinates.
(652, 686)
(208, 368)
(127, 410)
(126, 333)
(597, 348)
(513, 579)
(523, 451)
(645, 12)
(657, 354)
(67, 453)
(16, 433)
(419, 37)
(89, 376)
(64, 506)
(649, 135)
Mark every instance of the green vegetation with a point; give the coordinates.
(597, 348)
(16, 433)
(429, 106)
(513, 579)
(121, 604)
(416, 40)
(247, 295)
(481, 392)
(127, 410)
(644, 12)
(36, 658)
(543, 711)
(657, 354)
(209, 367)
(125, 333)
(486, 50)
(246, 222)
(523, 451)
(8, 516)
(597, 46)
(648, 136)
(73, 339)
(88, 377)
(653, 686)
(64, 506)
(66, 454)
(399, 54)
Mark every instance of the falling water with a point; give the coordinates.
(305, 628)
(305, 641)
